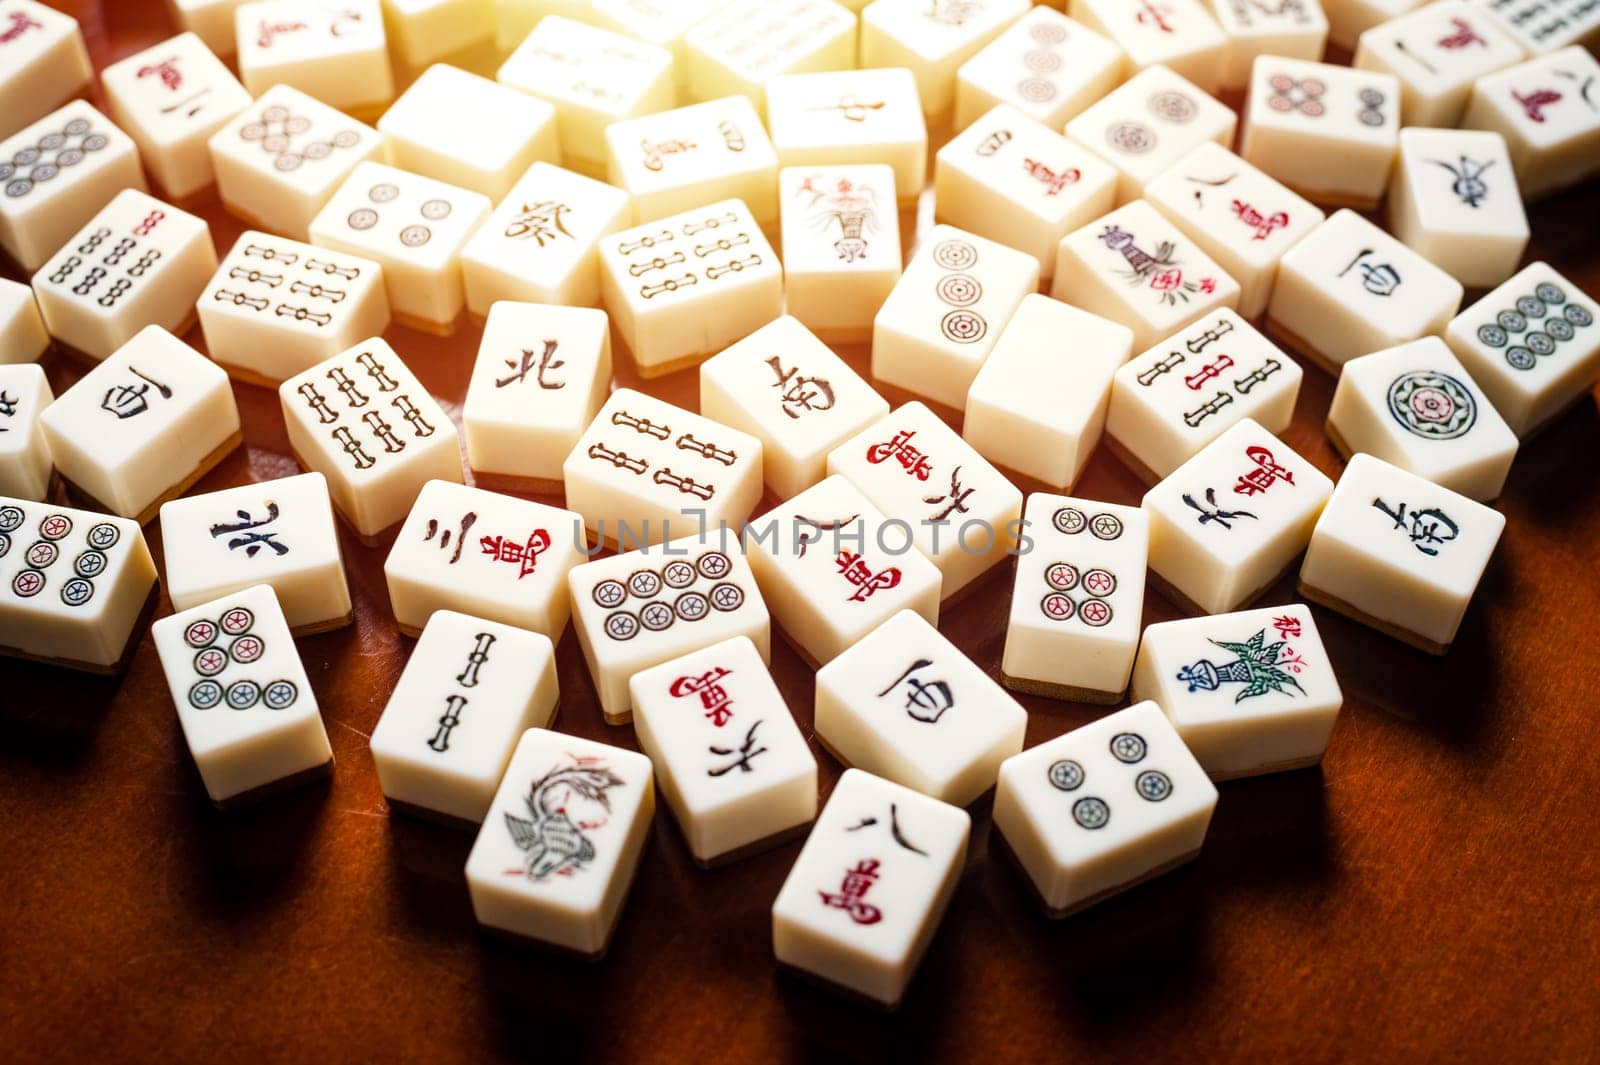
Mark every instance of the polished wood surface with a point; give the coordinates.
(1432, 891)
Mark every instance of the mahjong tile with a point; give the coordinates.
(143, 426)
(1297, 29)
(643, 467)
(1531, 345)
(56, 174)
(1349, 19)
(1399, 553)
(22, 333)
(542, 242)
(1250, 693)
(675, 161)
(281, 159)
(1416, 406)
(469, 691)
(1178, 34)
(1226, 524)
(830, 573)
(25, 463)
(834, 921)
(138, 262)
(638, 609)
(1103, 808)
(1177, 397)
(171, 98)
(841, 246)
(1149, 123)
(932, 39)
(1044, 64)
(277, 307)
(682, 288)
(541, 374)
(1135, 267)
(789, 390)
(1546, 25)
(210, 20)
(1349, 288)
(1010, 179)
(734, 50)
(732, 764)
(247, 711)
(1235, 213)
(1039, 403)
(1454, 200)
(1437, 52)
(556, 856)
(279, 533)
(1548, 110)
(663, 23)
(851, 118)
(422, 31)
(331, 50)
(44, 61)
(1078, 599)
(364, 421)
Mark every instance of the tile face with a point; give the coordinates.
(841, 246)
(365, 422)
(56, 174)
(1549, 115)
(1178, 34)
(851, 118)
(829, 575)
(663, 23)
(143, 425)
(247, 710)
(1045, 65)
(1225, 525)
(1250, 693)
(1454, 199)
(904, 703)
(25, 462)
(1171, 401)
(1078, 599)
(870, 887)
(1297, 29)
(22, 334)
(1531, 345)
(422, 31)
(638, 609)
(44, 60)
(278, 533)
(1545, 25)
(332, 50)
(731, 762)
(1103, 808)
(555, 858)
(210, 20)
(932, 40)
(73, 585)
(1415, 406)
(138, 262)
(736, 49)
(676, 161)
(471, 688)
(1437, 52)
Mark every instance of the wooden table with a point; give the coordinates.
(1433, 890)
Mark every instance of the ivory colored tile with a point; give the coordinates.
(841, 246)
(1437, 52)
(334, 51)
(1454, 199)
(1297, 29)
(1548, 110)
(25, 462)
(1178, 34)
(663, 23)
(1349, 19)
(1546, 25)
(1064, 67)
(932, 39)
(22, 333)
(734, 50)
(423, 31)
(852, 118)
(43, 59)
(677, 161)
(210, 20)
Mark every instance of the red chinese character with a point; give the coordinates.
(20, 23)
(525, 556)
(856, 571)
(1266, 474)
(900, 449)
(714, 698)
(166, 70)
(851, 895)
(1167, 280)
(1288, 627)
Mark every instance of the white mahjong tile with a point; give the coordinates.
(676, 161)
(734, 50)
(1226, 524)
(22, 333)
(25, 463)
(939, 493)
(364, 421)
(422, 31)
(830, 573)
(1078, 599)
(841, 246)
(559, 847)
(1251, 692)
(1349, 288)
(1437, 52)
(1178, 34)
(541, 375)
(469, 691)
(144, 425)
(1236, 214)
(851, 118)
(1177, 397)
(1103, 808)
(1039, 403)
(56, 174)
(1297, 29)
(644, 467)
(1531, 345)
(332, 50)
(1454, 200)
(138, 262)
(43, 62)
(732, 764)
(1400, 553)
(278, 532)
(1135, 267)
(1010, 179)
(210, 20)
(638, 609)
(932, 39)
(1548, 110)
(542, 242)
(281, 159)
(594, 78)
(947, 311)
(663, 23)
(834, 920)
(1331, 133)
(1546, 25)
(1349, 19)
(1416, 406)
(685, 287)
(171, 98)
(789, 390)
(247, 711)
(1149, 123)
(1045, 65)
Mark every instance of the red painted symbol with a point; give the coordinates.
(1099, 582)
(237, 621)
(55, 527)
(20, 24)
(1209, 372)
(714, 698)
(1155, 15)
(1264, 225)
(1534, 103)
(210, 662)
(1266, 474)
(247, 648)
(200, 634)
(900, 449)
(1288, 627)
(42, 555)
(1095, 613)
(27, 583)
(525, 556)
(1463, 36)
(1062, 577)
(166, 70)
(1057, 607)
(851, 896)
